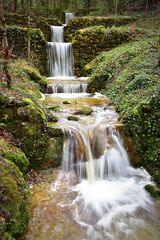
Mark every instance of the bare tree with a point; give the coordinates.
(5, 51)
(28, 33)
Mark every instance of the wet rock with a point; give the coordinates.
(83, 111)
(73, 118)
(30, 113)
(54, 151)
(66, 102)
(152, 190)
(54, 130)
(55, 108)
(52, 117)
(49, 89)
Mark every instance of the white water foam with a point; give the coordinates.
(111, 202)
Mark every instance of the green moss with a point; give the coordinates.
(73, 118)
(14, 154)
(14, 199)
(90, 41)
(30, 113)
(17, 37)
(152, 190)
(7, 236)
(3, 100)
(27, 101)
(54, 151)
(85, 110)
(35, 76)
(84, 22)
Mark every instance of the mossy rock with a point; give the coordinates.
(35, 76)
(30, 113)
(51, 117)
(14, 154)
(54, 152)
(152, 190)
(54, 130)
(86, 110)
(14, 19)
(55, 108)
(73, 118)
(3, 100)
(27, 101)
(14, 199)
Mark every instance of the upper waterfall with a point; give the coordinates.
(60, 54)
(68, 16)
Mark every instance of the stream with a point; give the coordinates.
(96, 194)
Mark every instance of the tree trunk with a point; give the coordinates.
(146, 8)
(5, 46)
(28, 35)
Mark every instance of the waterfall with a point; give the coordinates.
(60, 60)
(66, 88)
(57, 33)
(60, 55)
(68, 16)
(60, 63)
(110, 192)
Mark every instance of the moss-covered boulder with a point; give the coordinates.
(54, 151)
(129, 76)
(14, 154)
(85, 110)
(13, 200)
(73, 118)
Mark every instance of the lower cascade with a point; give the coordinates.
(104, 192)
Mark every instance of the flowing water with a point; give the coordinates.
(97, 195)
(68, 16)
(60, 54)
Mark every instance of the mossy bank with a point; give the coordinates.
(129, 76)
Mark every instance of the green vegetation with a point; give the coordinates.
(14, 154)
(89, 42)
(13, 200)
(129, 76)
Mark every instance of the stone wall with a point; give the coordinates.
(17, 38)
(92, 35)
(44, 24)
(89, 42)
(85, 22)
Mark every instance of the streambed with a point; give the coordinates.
(70, 204)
